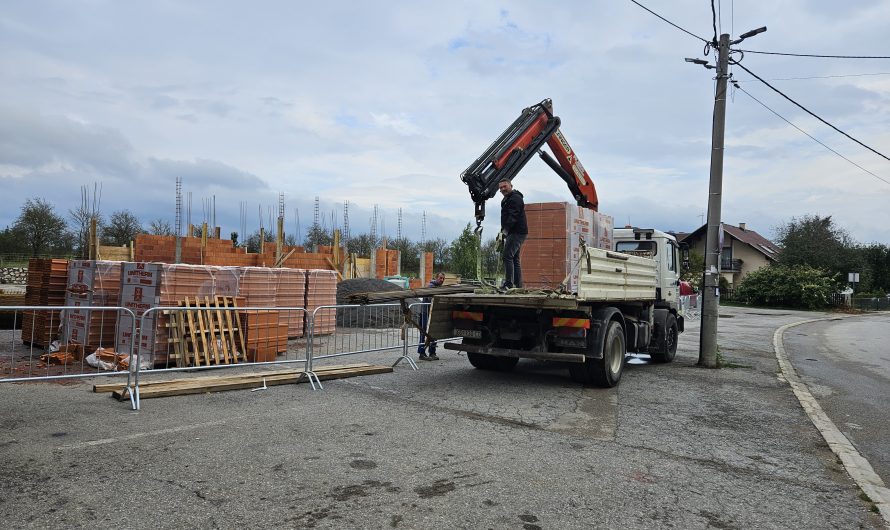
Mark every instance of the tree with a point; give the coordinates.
(10, 243)
(253, 241)
(121, 229)
(788, 286)
(361, 244)
(441, 253)
(317, 236)
(233, 237)
(410, 255)
(160, 227)
(491, 259)
(464, 250)
(79, 220)
(694, 271)
(876, 260)
(817, 242)
(41, 230)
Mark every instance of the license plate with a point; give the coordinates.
(468, 333)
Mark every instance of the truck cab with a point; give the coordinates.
(658, 246)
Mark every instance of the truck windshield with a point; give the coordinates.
(637, 246)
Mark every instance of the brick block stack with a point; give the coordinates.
(388, 263)
(426, 261)
(148, 285)
(46, 284)
(92, 284)
(265, 337)
(322, 290)
(291, 292)
(553, 245)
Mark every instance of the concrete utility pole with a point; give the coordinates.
(707, 353)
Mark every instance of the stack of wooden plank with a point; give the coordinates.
(321, 290)
(47, 280)
(206, 332)
(92, 284)
(204, 384)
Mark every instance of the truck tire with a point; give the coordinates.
(665, 343)
(605, 372)
(483, 361)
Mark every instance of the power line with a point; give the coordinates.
(822, 76)
(811, 113)
(764, 105)
(714, 20)
(671, 23)
(817, 55)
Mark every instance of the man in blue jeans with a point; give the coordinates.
(424, 319)
(515, 229)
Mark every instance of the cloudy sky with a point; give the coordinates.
(387, 103)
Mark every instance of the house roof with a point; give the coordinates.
(746, 235)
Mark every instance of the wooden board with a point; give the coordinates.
(196, 386)
(111, 387)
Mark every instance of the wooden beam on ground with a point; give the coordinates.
(111, 387)
(197, 386)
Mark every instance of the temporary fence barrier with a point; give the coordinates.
(61, 342)
(689, 306)
(201, 337)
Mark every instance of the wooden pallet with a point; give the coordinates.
(203, 384)
(205, 333)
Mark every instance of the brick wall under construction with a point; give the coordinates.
(220, 252)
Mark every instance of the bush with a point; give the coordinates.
(789, 286)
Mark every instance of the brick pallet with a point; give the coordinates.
(553, 248)
(264, 335)
(92, 284)
(148, 285)
(291, 292)
(46, 284)
(321, 290)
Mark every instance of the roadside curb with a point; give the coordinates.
(856, 465)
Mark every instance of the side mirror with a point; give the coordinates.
(684, 254)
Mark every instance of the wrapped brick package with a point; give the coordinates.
(92, 284)
(553, 247)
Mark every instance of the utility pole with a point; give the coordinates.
(707, 353)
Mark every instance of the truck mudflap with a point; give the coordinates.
(522, 354)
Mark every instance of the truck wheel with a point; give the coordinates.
(666, 341)
(484, 361)
(605, 372)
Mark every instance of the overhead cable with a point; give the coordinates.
(817, 55)
(811, 113)
(671, 23)
(823, 76)
(764, 105)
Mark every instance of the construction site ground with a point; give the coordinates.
(674, 446)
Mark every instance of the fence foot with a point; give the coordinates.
(313, 380)
(405, 358)
(133, 391)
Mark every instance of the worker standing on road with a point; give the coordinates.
(514, 229)
(424, 320)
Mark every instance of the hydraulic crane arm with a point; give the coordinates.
(514, 148)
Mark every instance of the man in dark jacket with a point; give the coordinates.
(515, 229)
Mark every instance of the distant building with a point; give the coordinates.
(744, 250)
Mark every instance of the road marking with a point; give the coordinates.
(856, 465)
(172, 430)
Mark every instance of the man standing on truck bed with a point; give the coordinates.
(515, 229)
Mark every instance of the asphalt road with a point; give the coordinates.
(448, 446)
(846, 365)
